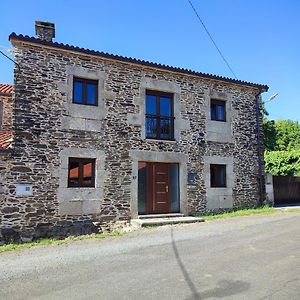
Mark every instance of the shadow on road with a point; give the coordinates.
(224, 288)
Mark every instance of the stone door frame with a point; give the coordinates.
(163, 157)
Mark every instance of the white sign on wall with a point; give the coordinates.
(24, 189)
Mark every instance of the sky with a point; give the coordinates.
(259, 38)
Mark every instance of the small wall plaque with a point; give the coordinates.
(191, 177)
(24, 189)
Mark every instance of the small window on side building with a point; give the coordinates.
(85, 91)
(218, 175)
(81, 172)
(218, 110)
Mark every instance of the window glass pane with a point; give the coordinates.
(222, 175)
(174, 188)
(165, 106)
(212, 176)
(151, 127)
(151, 105)
(213, 112)
(218, 175)
(220, 111)
(165, 129)
(78, 92)
(73, 173)
(87, 173)
(142, 187)
(91, 93)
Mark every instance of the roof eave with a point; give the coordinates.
(14, 36)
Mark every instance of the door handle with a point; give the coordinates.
(167, 188)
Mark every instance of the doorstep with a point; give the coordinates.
(169, 220)
(155, 216)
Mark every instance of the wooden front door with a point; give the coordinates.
(158, 196)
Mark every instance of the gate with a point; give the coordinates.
(286, 189)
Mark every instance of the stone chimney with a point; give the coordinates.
(45, 30)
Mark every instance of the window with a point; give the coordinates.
(218, 175)
(217, 110)
(85, 91)
(81, 172)
(159, 116)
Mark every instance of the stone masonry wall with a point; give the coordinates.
(41, 95)
(7, 112)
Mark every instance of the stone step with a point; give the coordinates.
(165, 221)
(154, 216)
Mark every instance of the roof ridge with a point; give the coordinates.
(27, 38)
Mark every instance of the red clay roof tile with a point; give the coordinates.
(5, 139)
(6, 89)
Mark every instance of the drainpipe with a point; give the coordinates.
(259, 147)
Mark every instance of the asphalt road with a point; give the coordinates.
(254, 257)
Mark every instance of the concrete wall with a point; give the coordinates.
(269, 189)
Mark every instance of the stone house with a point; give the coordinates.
(6, 91)
(99, 139)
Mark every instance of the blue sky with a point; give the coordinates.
(260, 39)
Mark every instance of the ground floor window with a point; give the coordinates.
(158, 188)
(81, 172)
(217, 175)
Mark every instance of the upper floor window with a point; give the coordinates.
(218, 175)
(218, 110)
(81, 172)
(85, 91)
(159, 115)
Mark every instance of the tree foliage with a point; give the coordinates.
(282, 145)
(269, 135)
(284, 163)
(281, 135)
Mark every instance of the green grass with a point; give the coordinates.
(266, 210)
(53, 241)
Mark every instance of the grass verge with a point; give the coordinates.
(53, 241)
(265, 210)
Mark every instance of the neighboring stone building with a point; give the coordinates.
(6, 107)
(100, 139)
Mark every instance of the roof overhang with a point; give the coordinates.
(32, 40)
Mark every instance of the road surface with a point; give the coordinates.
(256, 257)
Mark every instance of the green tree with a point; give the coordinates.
(269, 134)
(287, 135)
(284, 163)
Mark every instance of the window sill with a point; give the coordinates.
(85, 104)
(219, 121)
(160, 141)
(81, 187)
(218, 187)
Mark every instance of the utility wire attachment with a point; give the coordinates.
(211, 38)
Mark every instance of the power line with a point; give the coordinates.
(7, 56)
(12, 61)
(211, 38)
